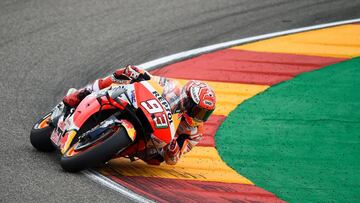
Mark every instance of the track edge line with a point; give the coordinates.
(105, 181)
(194, 52)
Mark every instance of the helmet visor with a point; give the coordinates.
(199, 114)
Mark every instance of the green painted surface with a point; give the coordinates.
(300, 139)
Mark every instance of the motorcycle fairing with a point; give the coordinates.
(140, 94)
(158, 111)
(66, 130)
(88, 107)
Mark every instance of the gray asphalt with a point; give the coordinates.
(47, 46)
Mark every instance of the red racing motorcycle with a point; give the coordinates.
(119, 121)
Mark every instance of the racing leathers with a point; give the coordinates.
(187, 136)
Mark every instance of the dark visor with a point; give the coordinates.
(199, 114)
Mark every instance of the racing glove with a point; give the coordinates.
(132, 73)
(73, 99)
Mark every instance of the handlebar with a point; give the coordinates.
(116, 92)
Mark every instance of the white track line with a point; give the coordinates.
(103, 180)
(190, 53)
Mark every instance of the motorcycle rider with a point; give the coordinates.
(195, 100)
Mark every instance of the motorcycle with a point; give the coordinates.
(118, 121)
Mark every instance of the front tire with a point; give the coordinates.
(96, 154)
(40, 135)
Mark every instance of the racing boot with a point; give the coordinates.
(74, 97)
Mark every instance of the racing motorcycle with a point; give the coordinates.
(118, 121)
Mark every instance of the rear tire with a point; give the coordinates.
(40, 135)
(97, 154)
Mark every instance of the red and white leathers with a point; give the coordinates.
(188, 133)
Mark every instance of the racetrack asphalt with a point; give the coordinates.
(47, 46)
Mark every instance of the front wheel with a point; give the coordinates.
(40, 134)
(82, 155)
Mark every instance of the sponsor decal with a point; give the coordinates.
(165, 104)
(129, 129)
(62, 126)
(55, 137)
(133, 97)
(209, 103)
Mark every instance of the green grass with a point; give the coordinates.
(300, 139)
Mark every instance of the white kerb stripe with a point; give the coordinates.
(190, 53)
(103, 180)
(186, 54)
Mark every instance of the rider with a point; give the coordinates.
(196, 100)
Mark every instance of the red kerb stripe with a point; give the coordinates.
(241, 66)
(173, 190)
(210, 129)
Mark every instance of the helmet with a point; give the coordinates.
(198, 101)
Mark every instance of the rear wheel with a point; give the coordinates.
(86, 154)
(40, 134)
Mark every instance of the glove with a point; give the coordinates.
(73, 99)
(172, 152)
(131, 72)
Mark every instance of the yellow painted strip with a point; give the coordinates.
(230, 95)
(342, 41)
(202, 164)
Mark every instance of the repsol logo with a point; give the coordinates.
(165, 104)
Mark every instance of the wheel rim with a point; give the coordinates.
(76, 149)
(73, 152)
(73, 149)
(44, 123)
